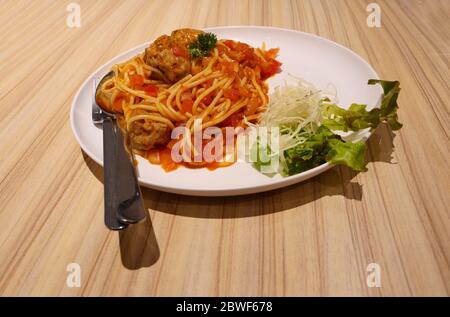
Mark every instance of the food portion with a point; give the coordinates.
(146, 134)
(314, 130)
(169, 54)
(191, 75)
(183, 77)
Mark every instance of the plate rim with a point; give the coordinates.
(284, 182)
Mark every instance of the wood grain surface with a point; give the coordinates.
(313, 238)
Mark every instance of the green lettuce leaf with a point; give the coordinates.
(312, 146)
(357, 117)
(324, 146)
(389, 106)
(347, 153)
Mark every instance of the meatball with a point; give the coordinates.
(147, 134)
(170, 53)
(184, 37)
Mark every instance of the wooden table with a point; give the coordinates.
(313, 238)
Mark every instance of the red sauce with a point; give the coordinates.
(162, 156)
(245, 61)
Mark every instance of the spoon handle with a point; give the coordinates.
(131, 206)
(109, 178)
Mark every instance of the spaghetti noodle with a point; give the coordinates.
(220, 89)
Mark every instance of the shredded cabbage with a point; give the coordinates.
(295, 109)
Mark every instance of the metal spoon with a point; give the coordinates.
(123, 198)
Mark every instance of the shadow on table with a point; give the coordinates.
(338, 181)
(138, 244)
(381, 145)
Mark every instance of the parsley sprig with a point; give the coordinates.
(203, 45)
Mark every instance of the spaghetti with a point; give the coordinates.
(220, 89)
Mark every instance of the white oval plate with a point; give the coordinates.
(318, 60)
